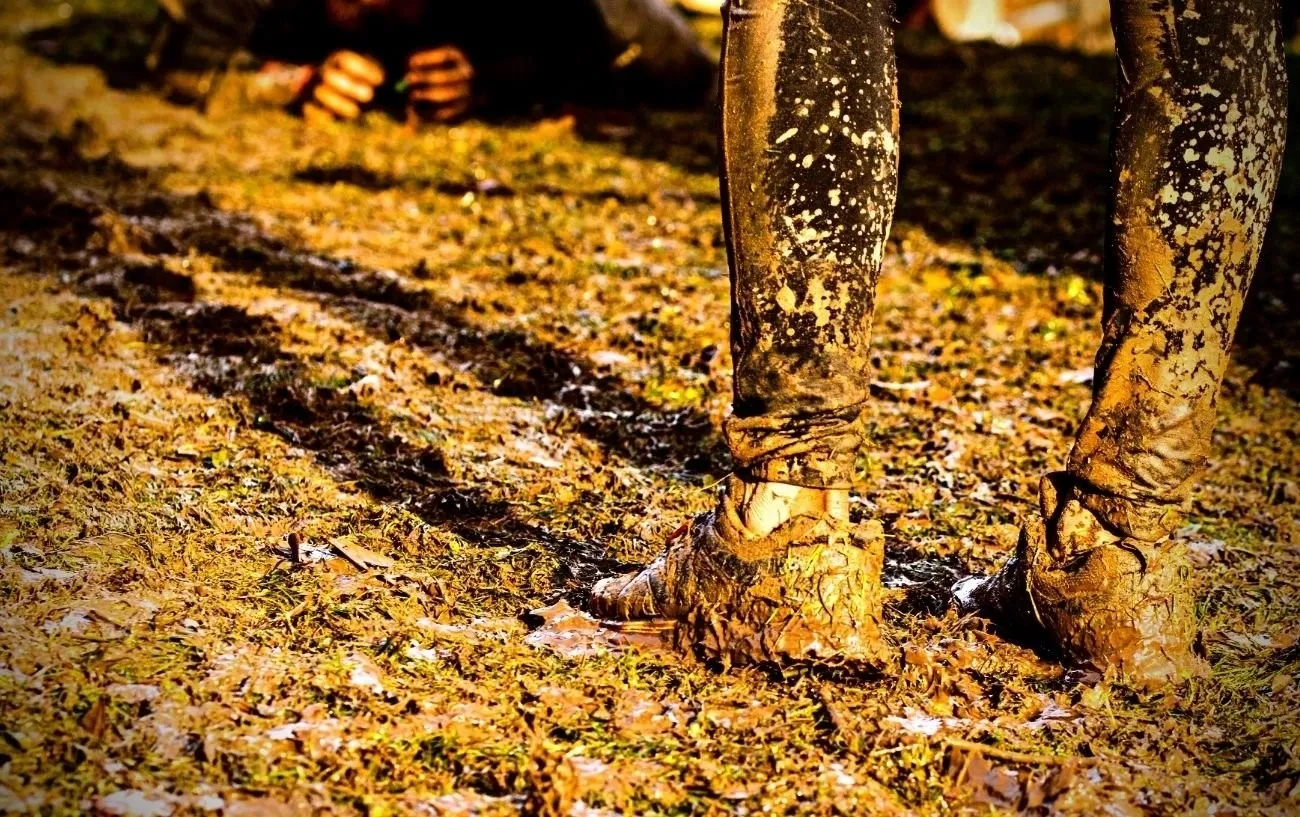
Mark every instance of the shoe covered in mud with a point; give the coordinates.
(807, 593)
(1108, 601)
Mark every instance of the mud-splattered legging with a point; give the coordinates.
(810, 152)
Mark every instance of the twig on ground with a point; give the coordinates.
(1009, 755)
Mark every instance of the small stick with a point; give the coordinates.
(1009, 755)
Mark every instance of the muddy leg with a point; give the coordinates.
(809, 143)
(1197, 153)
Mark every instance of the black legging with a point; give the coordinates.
(810, 152)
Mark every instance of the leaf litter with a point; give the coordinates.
(300, 425)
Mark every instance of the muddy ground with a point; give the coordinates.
(459, 375)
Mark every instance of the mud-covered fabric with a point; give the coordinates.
(1197, 151)
(809, 136)
(810, 155)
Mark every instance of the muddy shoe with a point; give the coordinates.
(1107, 601)
(807, 593)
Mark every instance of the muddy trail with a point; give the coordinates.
(299, 426)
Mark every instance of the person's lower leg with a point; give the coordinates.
(1197, 153)
(1196, 157)
(809, 144)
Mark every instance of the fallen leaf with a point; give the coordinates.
(571, 633)
(360, 557)
(95, 721)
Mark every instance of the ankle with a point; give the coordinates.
(766, 506)
(1080, 518)
(1075, 529)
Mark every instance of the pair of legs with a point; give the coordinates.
(810, 152)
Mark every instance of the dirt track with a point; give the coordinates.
(495, 356)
